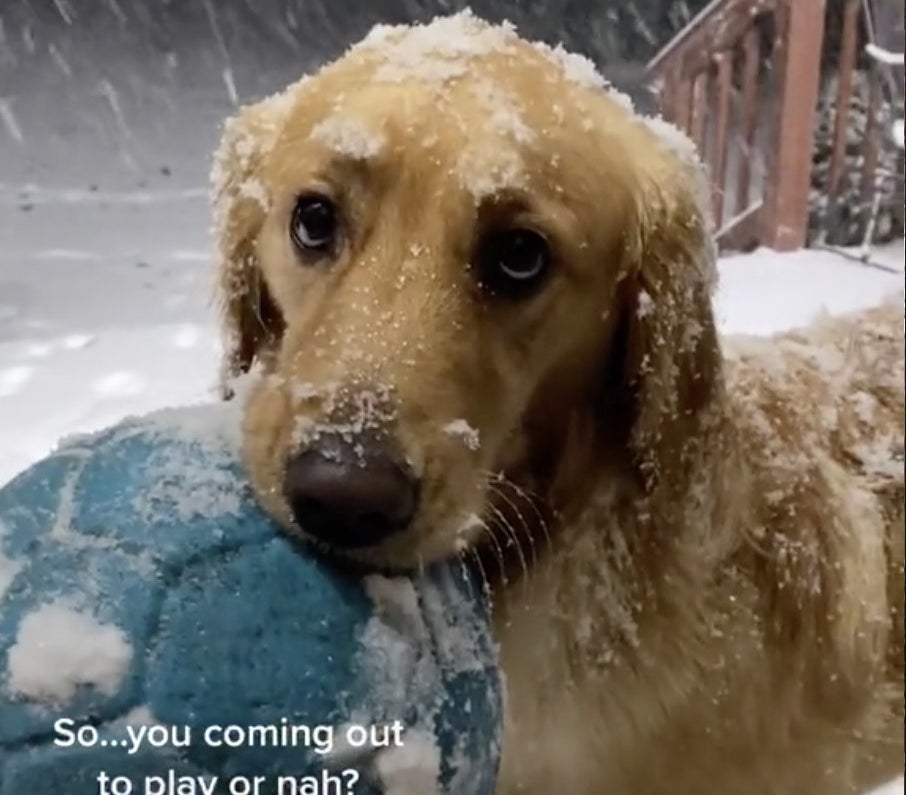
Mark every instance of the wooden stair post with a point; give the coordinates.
(798, 63)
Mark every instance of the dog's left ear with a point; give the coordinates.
(670, 361)
(252, 324)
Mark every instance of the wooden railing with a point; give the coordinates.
(742, 80)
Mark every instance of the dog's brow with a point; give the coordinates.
(341, 168)
(509, 200)
(350, 136)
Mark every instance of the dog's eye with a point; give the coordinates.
(512, 262)
(314, 223)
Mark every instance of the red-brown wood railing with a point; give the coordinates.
(742, 80)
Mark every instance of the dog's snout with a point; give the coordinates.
(350, 497)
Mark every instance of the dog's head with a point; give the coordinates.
(467, 272)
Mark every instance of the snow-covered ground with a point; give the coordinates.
(104, 311)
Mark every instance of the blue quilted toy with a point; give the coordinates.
(159, 635)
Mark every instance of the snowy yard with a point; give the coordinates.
(105, 308)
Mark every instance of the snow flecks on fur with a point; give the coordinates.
(433, 70)
(484, 172)
(243, 384)
(684, 149)
(238, 148)
(348, 413)
(645, 304)
(621, 99)
(581, 71)
(814, 401)
(462, 430)
(254, 189)
(302, 391)
(232, 181)
(437, 51)
(247, 137)
(349, 136)
(882, 462)
(503, 112)
(60, 649)
(576, 68)
(467, 530)
(610, 586)
(411, 265)
(673, 139)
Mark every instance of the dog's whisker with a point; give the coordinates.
(498, 550)
(513, 536)
(498, 479)
(518, 536)
(525, 525)
(497, 476)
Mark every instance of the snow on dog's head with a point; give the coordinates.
(452, 227)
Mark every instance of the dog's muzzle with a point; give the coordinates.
(350, 494)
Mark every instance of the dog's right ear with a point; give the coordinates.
(252, 323)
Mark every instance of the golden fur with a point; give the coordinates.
(695, 546)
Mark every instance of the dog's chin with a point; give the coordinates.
(405, 552)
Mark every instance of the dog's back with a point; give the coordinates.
(866, 393)
(822, 410)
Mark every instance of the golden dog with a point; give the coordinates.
(476, 288)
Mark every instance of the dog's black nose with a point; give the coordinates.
(349, 497)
